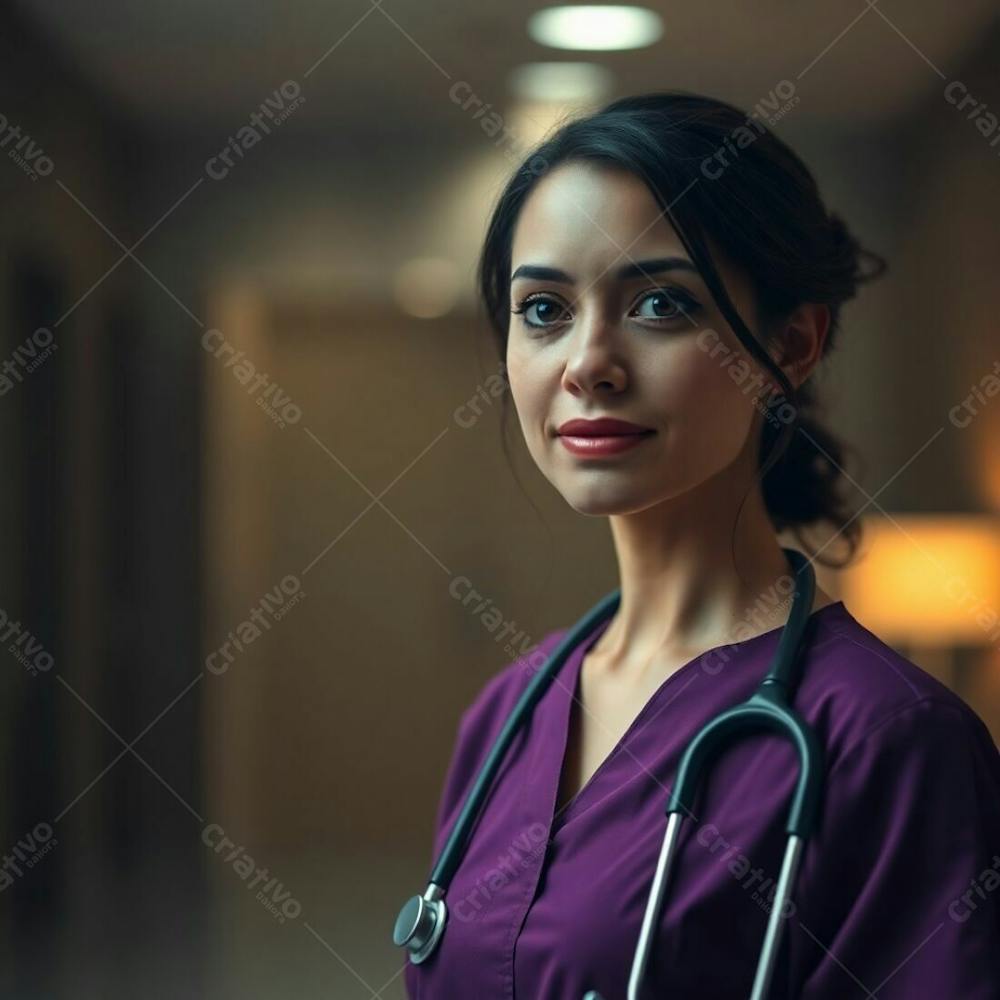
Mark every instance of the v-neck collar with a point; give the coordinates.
(544, 773)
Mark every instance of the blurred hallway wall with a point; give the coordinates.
(100, 526)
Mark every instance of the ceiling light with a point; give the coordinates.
(597, 27)
(560, 82)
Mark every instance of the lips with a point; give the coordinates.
(603, 427)
(602, 438)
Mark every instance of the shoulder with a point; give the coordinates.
(496, 699)
(909, 820)
(480, 724)
(857, 691)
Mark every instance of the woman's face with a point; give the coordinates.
(649, 348)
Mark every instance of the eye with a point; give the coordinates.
(679, 301)
(547, 310)
(542, 311)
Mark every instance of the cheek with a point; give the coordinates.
(527, 385)
(701, 399)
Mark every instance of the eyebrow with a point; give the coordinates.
(634, 269)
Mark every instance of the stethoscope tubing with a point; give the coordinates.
(421, 921)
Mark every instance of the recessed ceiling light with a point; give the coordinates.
(560, 82)
(596, 27)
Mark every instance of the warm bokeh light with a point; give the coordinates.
(426, 287)
(928, 580)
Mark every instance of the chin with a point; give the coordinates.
(605, 502)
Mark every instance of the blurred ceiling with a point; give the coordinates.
(388, 68)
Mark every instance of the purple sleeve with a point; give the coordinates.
(905, 867)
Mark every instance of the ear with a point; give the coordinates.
(801, 341)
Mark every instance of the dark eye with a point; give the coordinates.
(675, 302)
(546, 310)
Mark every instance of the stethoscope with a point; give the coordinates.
(421, 921)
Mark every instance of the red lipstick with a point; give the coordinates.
(598, 438)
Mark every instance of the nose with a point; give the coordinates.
(595, 358)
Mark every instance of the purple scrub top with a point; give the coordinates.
(898, 892)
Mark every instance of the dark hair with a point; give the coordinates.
(733, 181)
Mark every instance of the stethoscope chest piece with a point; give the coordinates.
(420, 924)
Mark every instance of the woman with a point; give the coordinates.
(663, 280)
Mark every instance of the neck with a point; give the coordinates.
(688, 583)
